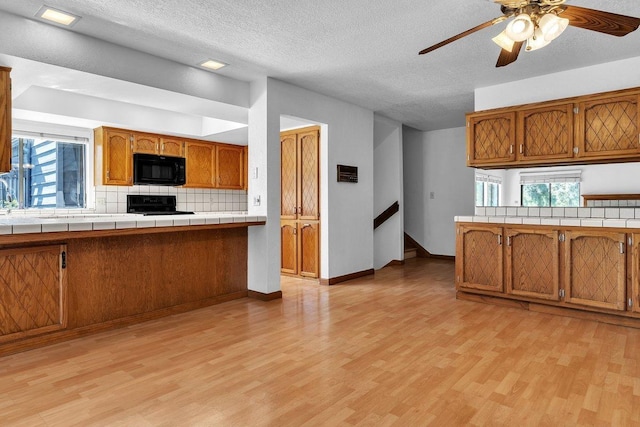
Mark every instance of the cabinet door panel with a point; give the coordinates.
(546, 132)
(609, 127)
(172, 147)
(532, 263)
(288, 176)
(309, 179)
(595, 269)
(491, 138)
(143, 143)
(479, 258)
(200, 165)
(32, 297)
(118, 160)
(289, 247)
(309, 235)
(230, 166)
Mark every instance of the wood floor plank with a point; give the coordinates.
(394, 349)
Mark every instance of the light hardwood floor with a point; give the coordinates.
(397, 349)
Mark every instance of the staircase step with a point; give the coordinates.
(410, 253)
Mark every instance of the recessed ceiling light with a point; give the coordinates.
(213, 65)
(57, 16)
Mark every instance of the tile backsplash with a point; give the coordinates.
(113, 199)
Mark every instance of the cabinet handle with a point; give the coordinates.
(163, 147)
(306, 225)
(295, 210)
(521, 148)
(511, 149)
(621, 247)
(508, 240)
(157, 147)
(499, 239)
(299, 210)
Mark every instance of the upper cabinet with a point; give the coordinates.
(157, 144)
(200, 164)
(609, 126)
(209, 164)
(5, 119)
(491, 138)
(230, 167)
(589, 129)
(114, 163)
(545, 132)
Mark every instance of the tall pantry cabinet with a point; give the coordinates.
(300, 202)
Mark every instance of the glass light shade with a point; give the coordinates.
(520, 29)
(504, 41)
(552, 26)
(537, 40)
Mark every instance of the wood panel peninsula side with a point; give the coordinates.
(63, 285)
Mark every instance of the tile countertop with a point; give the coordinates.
(20, 223)
(567, 222)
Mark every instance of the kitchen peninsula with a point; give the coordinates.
(582, 262)
(71, 274)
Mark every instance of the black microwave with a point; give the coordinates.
(149, 169)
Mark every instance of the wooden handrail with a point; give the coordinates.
(388, 213)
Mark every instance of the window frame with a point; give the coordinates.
(62, 133)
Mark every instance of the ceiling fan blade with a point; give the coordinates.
(461, 35)
(602, 22)
(507, 57)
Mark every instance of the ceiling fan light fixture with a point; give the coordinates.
(504, 41)
(536, 41)
(520, 28)
(552, 26)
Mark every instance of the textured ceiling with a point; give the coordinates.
(360, 51)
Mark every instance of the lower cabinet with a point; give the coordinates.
(32, 291)
(595, 269)
(579, 268)
(479, 258)
(532, 258)
(300, 246)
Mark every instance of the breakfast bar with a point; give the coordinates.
(70, 274)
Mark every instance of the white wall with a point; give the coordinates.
(387, 184)
(596, 179)
(346, 209)
(435, 162)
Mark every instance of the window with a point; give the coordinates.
(487, 190)
(560, 189)
(46, 172)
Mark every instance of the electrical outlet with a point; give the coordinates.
(432, 195)
(256, 200)
(255, 173)
(101, 201)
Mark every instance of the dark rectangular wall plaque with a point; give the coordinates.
(347, 173)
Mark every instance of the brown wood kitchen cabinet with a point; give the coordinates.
(300, 244)
(609, 126)
(114, 164)
(230, 173)
(33, 296)
(300, 200)
(546, 132)
(491, 138)
(532, 263)
(157, 144)
(479, 258)
(200, 164)
(5, 119)
(595, 269)
(597, 128)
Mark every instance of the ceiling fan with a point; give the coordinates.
(538, 22)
